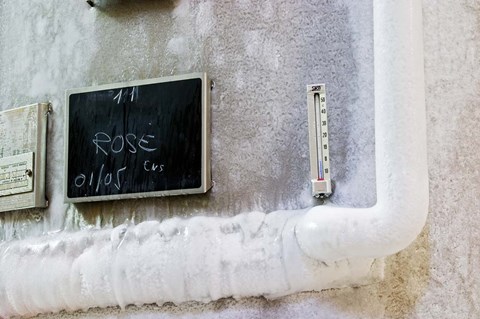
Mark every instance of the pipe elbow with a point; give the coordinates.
(330, 233)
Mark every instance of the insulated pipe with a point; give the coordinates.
(330, 233)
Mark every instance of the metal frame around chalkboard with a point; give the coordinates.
(206, 132)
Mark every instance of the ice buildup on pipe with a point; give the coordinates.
(178, 260)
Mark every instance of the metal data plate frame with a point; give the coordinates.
(206, 178)
(23, 152)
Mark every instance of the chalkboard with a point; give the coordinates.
(138, 139)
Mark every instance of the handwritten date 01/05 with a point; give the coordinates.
(103, 179)
(115, 179)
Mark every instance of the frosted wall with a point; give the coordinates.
(262, 55)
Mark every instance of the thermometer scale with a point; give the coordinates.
(318, 141)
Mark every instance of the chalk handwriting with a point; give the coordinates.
(103, 178)
(149, 166)
(118, 96)
(126, 94)
(143, 141)
(104, 143)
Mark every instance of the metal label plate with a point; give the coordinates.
(16, 174)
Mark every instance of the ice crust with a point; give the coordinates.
(177, 260)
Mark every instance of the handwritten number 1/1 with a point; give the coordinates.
(132, 93)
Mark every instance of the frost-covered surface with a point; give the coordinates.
(437, 277)
(261, 56)
(196, 259)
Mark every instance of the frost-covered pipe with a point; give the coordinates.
(178, 260)
(334, 233)
(276, 254)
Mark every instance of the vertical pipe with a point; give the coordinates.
(332, 233)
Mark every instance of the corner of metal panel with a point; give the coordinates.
(40, 156)
(207, 133)
(66, 199)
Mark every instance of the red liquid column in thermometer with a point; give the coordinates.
(318, 137)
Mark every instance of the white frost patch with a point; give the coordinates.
(193, 24)
(63, 55)
(56, 204)
(262, 48)
(42, 84)
(205, 18)
(178, 260)
(268, 9)
(178, 46)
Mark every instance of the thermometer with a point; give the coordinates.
(318, 141)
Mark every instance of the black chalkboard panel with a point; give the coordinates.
(138, 139)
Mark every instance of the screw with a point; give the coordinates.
(50, 109)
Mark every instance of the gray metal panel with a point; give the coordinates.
(206, 133)
(23, 130)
